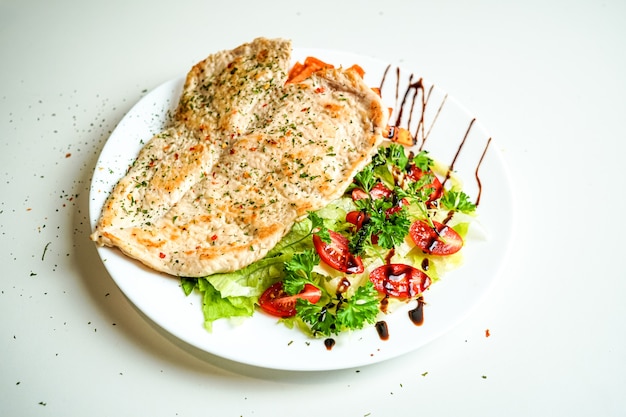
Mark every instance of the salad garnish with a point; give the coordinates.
(393, 233)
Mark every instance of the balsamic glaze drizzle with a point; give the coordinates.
(426, 134)
(421, 132)
(480, 162)
(458, 151)
(412, 93)
(414, 87)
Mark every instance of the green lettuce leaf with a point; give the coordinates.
(215, 307)
(334, 214)
(294, 241)
(250, 281)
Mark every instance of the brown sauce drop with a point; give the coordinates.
(329, 343)
(383, 330)
(417, 314)
(343, 286)
(384, 304)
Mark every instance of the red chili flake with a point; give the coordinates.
(487, 334)
(161, 255)
(264, 105)
(67, 155)
(305, 109)
(176, 156)
(214, 237)
(320, 90)
(232, 151)
(193, 148)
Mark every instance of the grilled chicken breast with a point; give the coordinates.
(246, 156)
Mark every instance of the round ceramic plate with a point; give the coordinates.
(442, 126)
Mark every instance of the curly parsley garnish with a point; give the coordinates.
(341, 313)
(299, 271)
(457, 200)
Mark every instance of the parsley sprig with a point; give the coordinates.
(341, 313)
(457, 200)
(387, 221)
(317, 226)
(299, 271)
(365, 179)
(393, 155)
(423, 161)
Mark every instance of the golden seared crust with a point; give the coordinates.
(245, 157)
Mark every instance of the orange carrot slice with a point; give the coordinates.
(357, 69)
(301, 72)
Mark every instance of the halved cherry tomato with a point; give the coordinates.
(379, 190)
(357, 218)
(399, 280)
(397, 207)
(277, 302)
(337, 254)
(359, 194)
(415, 174)
(440, 240)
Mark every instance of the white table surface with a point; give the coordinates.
(547, 78)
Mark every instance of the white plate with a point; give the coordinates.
(260, 341)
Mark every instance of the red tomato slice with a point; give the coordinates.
(337, 254)
(357, 218)
(359, 194)
(277, 302)
(415, 174)
(399, 280)
(441, 240)
(379, 190)
(397, 207)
